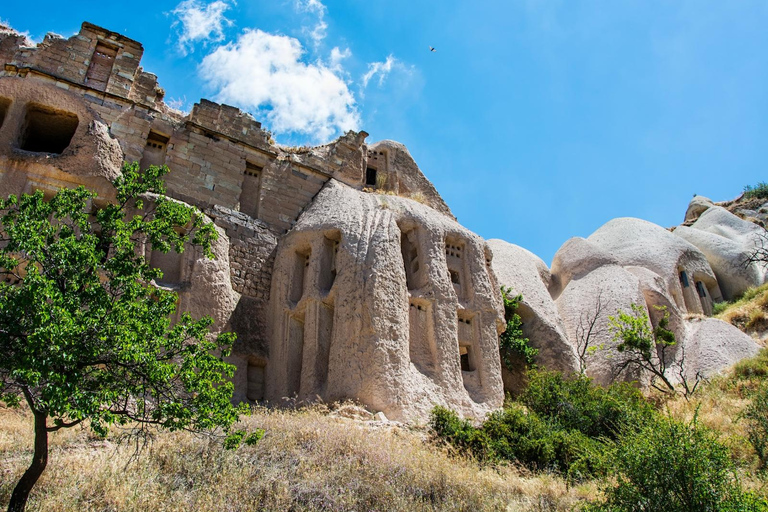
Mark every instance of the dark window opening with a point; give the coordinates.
(684, 279)
(154, 150)
(100, 68)
(47, 130)
(300, 266)
(370, 177)
(453, 251)
(419, 307)
(328, 263)
(466, 358)
(5, 104)
(410, 252)
(255, 390)
(456, 267)
(700, 289)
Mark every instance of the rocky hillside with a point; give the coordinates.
(685, 272)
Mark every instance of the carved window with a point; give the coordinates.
(154, 150)
(370, 177)
(300, 268)
(454, 258)
(466, 342)
(409, 246)
(101, 67)
(421, 335)
(700, 289)
(47, 130)
(170, 264)
(249, 197)
(255, 390)
(684, 279)
(328, 267)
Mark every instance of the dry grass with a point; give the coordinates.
(308, 460)
(750, 312)
(719, 404)
(311, 460)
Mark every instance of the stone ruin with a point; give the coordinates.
(340, 267)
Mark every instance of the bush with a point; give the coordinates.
(675, 467)
(461, 434)
(759, 191)
(515, 434)
(575, 403)
(562, 424)
(756, 415)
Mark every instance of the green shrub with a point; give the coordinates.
(756, 415)
(558, 424)
(515, 434)
(575, 403)
(758, 191)
(675, 467)
(719, 307)
(447, 425)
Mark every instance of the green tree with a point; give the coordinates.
(85, 336)
(643, 346)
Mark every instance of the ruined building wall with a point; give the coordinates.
(72, 109)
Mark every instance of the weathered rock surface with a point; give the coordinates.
(727, 242)
(697, 206)
(576, 258)
(638, 243)
(526, 274)
(384, 299)
(712, 345)
(594, 293)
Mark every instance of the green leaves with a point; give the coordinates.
(676, 467)
(645, 347)
(512, 342)
(84, 333)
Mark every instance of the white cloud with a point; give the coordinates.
(319, 31)
(382, 69)
(200, 22)
(337, 56)
(262, 71)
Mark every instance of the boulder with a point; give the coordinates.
(526, 274)
(728, 258)
(712, 345)
(687, 275)
(697, 206)
(576, 258)
(596, 287)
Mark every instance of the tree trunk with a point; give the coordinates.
(40, 459)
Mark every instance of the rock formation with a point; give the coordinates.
(340, 267)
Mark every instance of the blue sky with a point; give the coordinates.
(536, 120)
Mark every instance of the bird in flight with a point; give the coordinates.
(432, 49)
